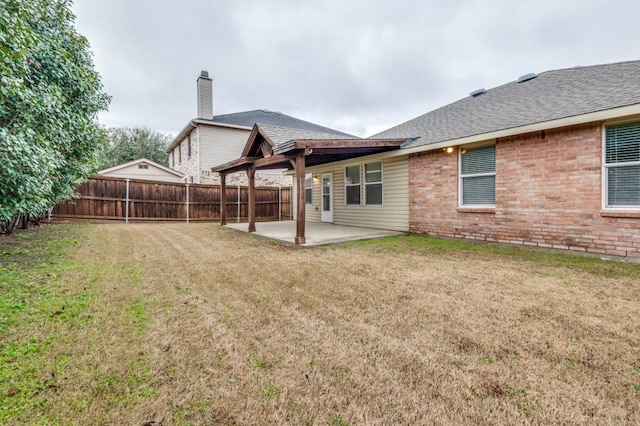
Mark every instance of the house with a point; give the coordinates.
(143, 169)
(209, 140)
(548, 160)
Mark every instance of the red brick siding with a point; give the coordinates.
(548, 194)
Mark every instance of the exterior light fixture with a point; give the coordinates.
(449, 150)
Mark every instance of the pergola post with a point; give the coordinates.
(300, 218)
(223, 199)
(251, 174)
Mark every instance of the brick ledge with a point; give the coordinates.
(633, 214)
(485, 210)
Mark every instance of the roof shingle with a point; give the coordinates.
(549, 96)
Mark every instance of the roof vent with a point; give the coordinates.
(477, 93)
(526, 77)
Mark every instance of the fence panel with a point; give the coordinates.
(105, 198)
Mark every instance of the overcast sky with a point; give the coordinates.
(354, 65)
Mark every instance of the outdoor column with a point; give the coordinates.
(223, 199)
(300, 238)
(251, 173)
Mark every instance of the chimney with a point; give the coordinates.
(205, 96)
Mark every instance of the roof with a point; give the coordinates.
(141, 160)
(263, 116)
(279, 135)
(551, 95)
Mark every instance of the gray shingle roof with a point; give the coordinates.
(262, 116)
(551, 95)
(280, 135)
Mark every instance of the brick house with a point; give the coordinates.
(211, 139)
(549, 160)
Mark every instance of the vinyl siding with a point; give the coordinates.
(393, 214)
(219, 145)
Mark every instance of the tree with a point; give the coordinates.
(50, 95)
(131, 143)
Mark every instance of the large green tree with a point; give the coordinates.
(50, 95)
(131, 143)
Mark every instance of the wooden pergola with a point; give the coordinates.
(261, 152)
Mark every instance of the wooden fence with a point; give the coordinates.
(108, 198)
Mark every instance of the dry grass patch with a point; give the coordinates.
(193, 324)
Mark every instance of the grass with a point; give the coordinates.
(193, 324)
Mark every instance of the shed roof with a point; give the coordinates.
(548, 96)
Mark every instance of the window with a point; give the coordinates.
(188, 146)
(622, 165)
(478, 176)
(373, 184)
(308, 183)
(173, 158)
(352, 185)
(179, 154)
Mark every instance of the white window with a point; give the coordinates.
(622, 166)
(478, 176)
(179, 153)
(373, 184)
(352, 185)
(308, 184)
(188, 146)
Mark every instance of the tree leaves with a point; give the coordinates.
(132, 143)
(50, 95)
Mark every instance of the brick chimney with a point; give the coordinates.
(205, 96)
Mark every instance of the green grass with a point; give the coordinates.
(47, 297)
(422, 244)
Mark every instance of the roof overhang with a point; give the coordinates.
(605, 115)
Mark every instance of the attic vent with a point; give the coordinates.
(526, 77)
(477, 93)
(143, 166)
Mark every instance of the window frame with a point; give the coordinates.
(461, 177)
(189, 146)
(381, 183)
(359, 185)
(179, 153)
(606, 166)
(308, 201)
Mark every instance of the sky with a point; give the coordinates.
(353, 65)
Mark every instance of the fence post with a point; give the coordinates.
(187, 202)
(238, 218)
(291, 202)
(126, 204)
(279, 203)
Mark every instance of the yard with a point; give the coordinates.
(193, 324)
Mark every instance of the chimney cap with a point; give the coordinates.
(204, 73)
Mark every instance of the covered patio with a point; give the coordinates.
(274, 147)
(316, 233)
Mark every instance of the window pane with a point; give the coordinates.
(373, 172)
(623, 143)
(623, 186)
(307, 180)
(479, 160)
(307, 195)
(479, 190)
(352, 175)
(373, 194)
(353, 194)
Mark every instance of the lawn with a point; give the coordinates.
(183, 324)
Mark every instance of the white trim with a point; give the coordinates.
(141, 160)
(326, 215)
(351, 184)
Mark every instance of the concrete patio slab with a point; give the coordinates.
(316, 233)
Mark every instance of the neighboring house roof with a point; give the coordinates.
(140, 161)
(263, 116)
(551, 95)
(247, 119)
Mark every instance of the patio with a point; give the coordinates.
(316, 233)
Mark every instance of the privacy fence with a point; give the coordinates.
(107, 198)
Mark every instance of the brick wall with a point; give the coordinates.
(189, 164)
(548, 194)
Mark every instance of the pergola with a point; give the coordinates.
(272, 147)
